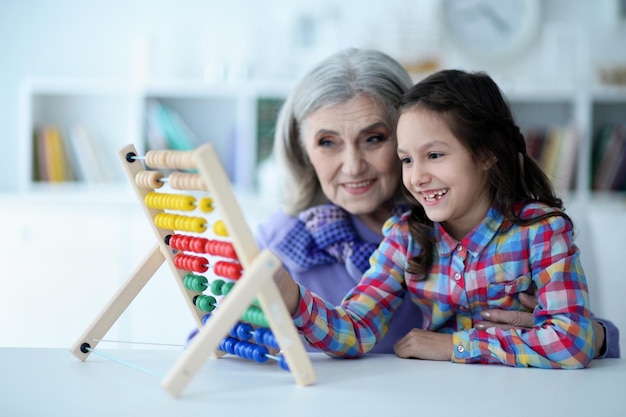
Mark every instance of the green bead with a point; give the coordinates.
(206, 303)
(217, 287)
(227, 287)
(254, 315)
(194, 282)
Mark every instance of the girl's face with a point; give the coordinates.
(353, 151)
(441, 173)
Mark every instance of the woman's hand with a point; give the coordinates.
(507, 319)
(424, 344)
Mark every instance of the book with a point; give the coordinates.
(167, 130)
(40, 173)
(551, 151)
(555, 149)
(619, 178)
(610, 156)
(600, 143)
(534, 141)
(563, 174)
(91, 162)
(52, 161)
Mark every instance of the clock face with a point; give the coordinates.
(491, 28)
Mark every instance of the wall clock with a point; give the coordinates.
(491, 29)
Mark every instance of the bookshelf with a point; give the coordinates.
(550, 125)
(104, 108)
(236, 118)
(608, 150)
(239, 120)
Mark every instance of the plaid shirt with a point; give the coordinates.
(487, 269)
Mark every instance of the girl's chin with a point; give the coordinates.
(434, 215)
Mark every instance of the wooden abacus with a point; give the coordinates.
(252, 270)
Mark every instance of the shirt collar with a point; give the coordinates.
(475, 241)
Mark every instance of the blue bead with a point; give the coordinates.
(260, 354)
(233, 331)
(259, 335)
(244, 331)
(283, 363)
(270, 340)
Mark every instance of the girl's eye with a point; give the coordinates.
(434, 155)
(405, 160)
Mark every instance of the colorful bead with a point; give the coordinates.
(206, 205)
(205, 302)
(191, 263)
(219, 228)
(195, 282)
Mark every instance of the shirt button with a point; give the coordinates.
(460, 348)
(457, 277)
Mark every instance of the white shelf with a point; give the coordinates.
(115, 114)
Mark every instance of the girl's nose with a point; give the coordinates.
(419, 176)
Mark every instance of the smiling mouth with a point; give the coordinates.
(359, 184)
(434, 195)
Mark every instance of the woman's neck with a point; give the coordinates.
(376, 219)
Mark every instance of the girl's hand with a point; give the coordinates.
(424, 344)
(289, 290)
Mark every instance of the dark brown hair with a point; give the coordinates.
(475, 110)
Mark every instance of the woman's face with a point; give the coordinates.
(353, 151)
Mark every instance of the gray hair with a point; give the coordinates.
(337, 79)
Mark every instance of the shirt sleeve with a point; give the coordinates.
(362, 319)
(611, 339)
(562, 336)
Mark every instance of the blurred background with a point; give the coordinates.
(104, 73)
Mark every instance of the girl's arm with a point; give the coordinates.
(353, 328)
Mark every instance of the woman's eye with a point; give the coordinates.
(377, 138)
(405, 160)
(434, 155)
(324, 142)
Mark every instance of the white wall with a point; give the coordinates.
(73, 38)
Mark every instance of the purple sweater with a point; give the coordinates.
(333, 281)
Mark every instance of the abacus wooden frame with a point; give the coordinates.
(256, 281)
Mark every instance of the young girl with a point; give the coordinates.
(484, 227)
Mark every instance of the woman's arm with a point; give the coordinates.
(606, 334)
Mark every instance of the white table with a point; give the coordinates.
(52, 382)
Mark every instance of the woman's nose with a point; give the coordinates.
(354, 162)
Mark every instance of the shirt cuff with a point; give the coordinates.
(462, 347)
(302, 315)
(611, 340)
